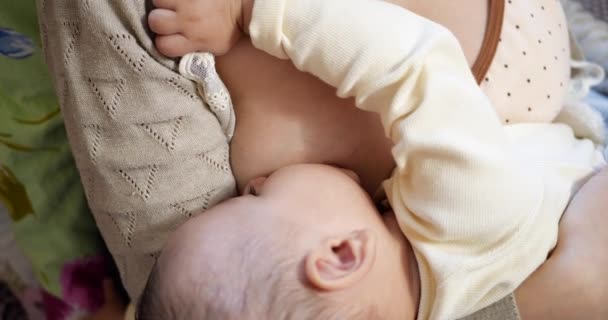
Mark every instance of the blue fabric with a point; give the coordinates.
(600, 103)
(15, 45)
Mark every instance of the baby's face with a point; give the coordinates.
(310, 194)
(315, 197)
(287, 213)
(316, 200)
(290, 213)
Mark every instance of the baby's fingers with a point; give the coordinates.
(167, 4)
(163, 22)
(175, 45)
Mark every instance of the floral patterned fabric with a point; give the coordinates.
(52, 259)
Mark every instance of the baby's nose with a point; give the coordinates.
(351, 174)
(254, 186)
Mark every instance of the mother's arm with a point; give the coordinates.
(149, 153)
(572, 283)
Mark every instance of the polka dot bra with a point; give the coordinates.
(528, 77)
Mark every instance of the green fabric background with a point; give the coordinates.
(38, 169)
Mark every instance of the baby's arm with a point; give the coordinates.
(479, 223)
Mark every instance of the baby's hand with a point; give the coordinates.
(184, 26)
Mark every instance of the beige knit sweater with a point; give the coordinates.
(149, 152)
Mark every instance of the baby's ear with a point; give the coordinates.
(340, 262)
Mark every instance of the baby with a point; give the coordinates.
(478, 204)
(305, 243)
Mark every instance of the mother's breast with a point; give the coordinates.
(285, 116)
(466, 19)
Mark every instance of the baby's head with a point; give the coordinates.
(304, 243)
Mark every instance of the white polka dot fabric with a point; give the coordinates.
(529, 75)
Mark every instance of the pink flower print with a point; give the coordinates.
(82, 282)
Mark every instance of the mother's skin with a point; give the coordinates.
(572, 283)
(286, 117)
